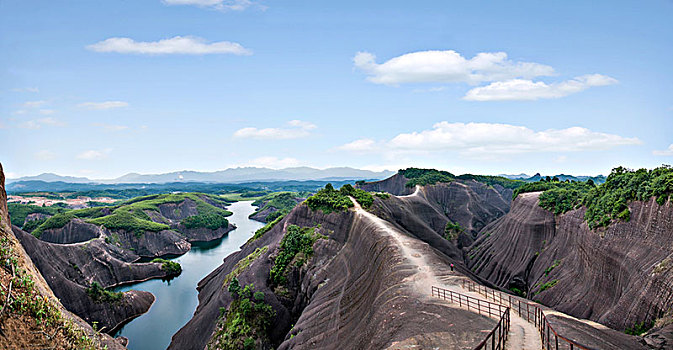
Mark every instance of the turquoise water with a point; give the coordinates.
(176, 300)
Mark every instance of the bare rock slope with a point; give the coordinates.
(619, 276)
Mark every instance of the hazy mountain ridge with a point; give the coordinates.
(230, 175)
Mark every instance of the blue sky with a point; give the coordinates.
(103, 88)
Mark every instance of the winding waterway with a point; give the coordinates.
(176, 300)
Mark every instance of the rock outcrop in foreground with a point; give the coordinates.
(620, 276)
(28, 329)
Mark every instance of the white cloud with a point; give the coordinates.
(103, 105)
(32, 104)
(273, 162)
(520, 89)
(234, 5)
(38, 123)
(186, 45)
(487, 139)
(46, 111)
(27, 89)
(447, 67)
(110, 127)
(94, 154)
(361, 145)
(298, 129)
(45, 155)
(666, 152)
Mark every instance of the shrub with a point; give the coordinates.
(546, 286)
(424, 177)
(493, 180)
(363, 197)
(171, 268)
(18, 212)
(54, 222)
(329, 200)
(296, 241)
(639, 328)
(124, 220)
(382, 195)
(246, 322)
(452, 230)
(102, 295)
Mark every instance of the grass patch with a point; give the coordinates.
(259, 233)
(282, 202)
(243, 264)
(553, 266)
(546, 286)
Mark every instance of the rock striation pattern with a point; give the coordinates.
(619, 276)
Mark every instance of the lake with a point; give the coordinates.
(176, 300)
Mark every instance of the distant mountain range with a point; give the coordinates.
(231, 175)
(598, 179)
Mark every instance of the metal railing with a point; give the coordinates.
(497, 337)
(531, 313)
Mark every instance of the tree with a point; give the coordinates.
(234, 288)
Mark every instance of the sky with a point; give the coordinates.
(104, 88)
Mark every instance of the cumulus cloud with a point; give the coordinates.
(45, 155)
(666, 152)
(521, 89)
(447, 67)
(488, 139)
(103, 105)
(38, 123)
(234, 5)
(94, 154)
(297, 129)
(184, 45)
(46, 111)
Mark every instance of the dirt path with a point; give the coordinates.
(522, 335)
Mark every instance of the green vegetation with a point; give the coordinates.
(243, 264)
(57, 221)
(452, 230)
(329, 200)
(102, 295)
(546, 286)
(297, 246)
(172, 268)
(553, 266)
(608, 201)
(25, 299)
(663, 266)
(18, 212)
(245, 325)
(281, 202)
(363, 197)
(639, 328)
(518, 292)
(209, 221)
(259, 233)
(382, 195)
(131, 215)
(424, 177)
(493, 180)
(124, 220)
(33, 224)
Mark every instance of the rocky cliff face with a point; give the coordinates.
(342, 297)
(619, 276)
(20, 330)
(71, 268)
(395, 184)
